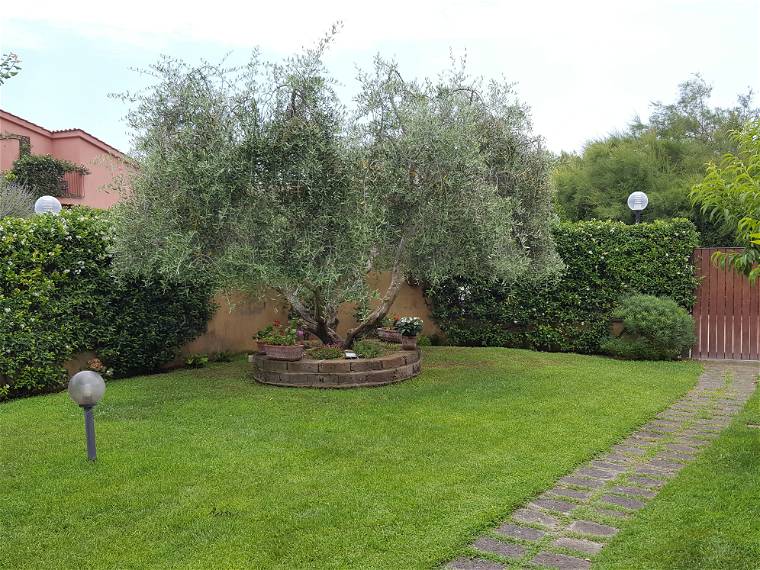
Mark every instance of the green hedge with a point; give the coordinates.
(58, 297)
(605, 261)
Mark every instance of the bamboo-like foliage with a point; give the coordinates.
(258, 178)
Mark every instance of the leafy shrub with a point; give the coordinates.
(326, 352)
(424, 340)
(59, 297)
(222, 356)
(603, 261)
(43, 173)
(197, 361)
(654, 328)
(369, 349)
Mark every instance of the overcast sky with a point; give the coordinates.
(585, 68)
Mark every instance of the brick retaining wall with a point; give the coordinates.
(338, 373)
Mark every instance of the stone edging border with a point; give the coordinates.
(338, 373)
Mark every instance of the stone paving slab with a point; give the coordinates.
(646, 481)
(532, 516)
(553, 505)
(571, 493)
(635, 491)
(578, 544)
(521, 532)
(474, 564)
(625, 502)
(582, 482)
(614, 513)
(592, 528)
(561, 561)
(618, 483)
(493, 546)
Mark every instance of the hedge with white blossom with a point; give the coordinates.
(58, 297)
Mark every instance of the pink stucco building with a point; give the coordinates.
(102, 160)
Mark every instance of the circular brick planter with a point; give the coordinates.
(337, 373)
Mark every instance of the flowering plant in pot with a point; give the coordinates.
(261, 337)
(409, 328)
(388, 331)
(280, 343)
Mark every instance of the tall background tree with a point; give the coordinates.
(259, 178)
(663, 156)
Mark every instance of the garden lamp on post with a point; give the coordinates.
(86, 388)
(47, 205)
(637, 201)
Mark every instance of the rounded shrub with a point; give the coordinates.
(654, 328)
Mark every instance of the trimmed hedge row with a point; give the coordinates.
(58, 297)
(604, 262)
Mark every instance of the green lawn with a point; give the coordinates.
(205, 469)
(708, 517)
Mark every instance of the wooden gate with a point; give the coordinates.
(726, 312)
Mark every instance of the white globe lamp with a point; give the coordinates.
(637, 201)
(47, 205)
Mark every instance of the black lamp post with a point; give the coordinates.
(86, 388)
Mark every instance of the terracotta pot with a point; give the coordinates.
(616, 327)
(290, 352)
(260, 346)
(389, 335)
(409, 342)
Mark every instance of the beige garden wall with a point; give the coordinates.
(238, 318)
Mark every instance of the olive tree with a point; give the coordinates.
(258, 178)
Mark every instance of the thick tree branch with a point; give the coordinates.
(379, 313)
(317, 324)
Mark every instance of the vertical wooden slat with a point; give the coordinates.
(745, 315)
(754, 308)
(713, 322)
(731, 351)
(696, 311)
(705, 293)
(720, 333)
(738, 303)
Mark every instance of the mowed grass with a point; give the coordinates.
(206, 469)
(708, 517)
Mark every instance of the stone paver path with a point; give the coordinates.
(565, 526)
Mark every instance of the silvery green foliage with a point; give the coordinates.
(15, 200)
(257, 177)
(460, 174)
